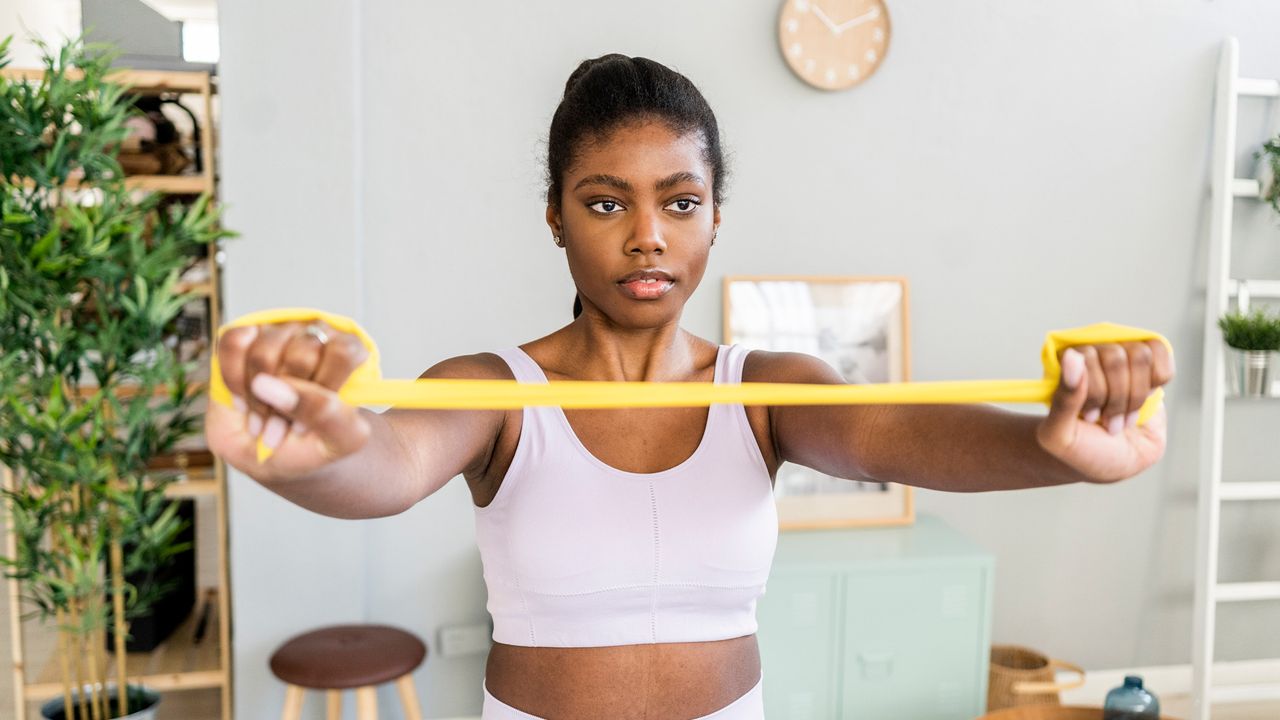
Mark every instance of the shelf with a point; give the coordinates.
(1249, 491)
(142, 81)
(196, 386)
(175, 184)
(1254, 288)
(178, 663)
(170, 184)
(199, 289)
(1256, 87)
(201, 482)
(1246, 188)
(1246, 591)
(1252, 693)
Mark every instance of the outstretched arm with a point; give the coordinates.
(330, 457)
(1089, 435)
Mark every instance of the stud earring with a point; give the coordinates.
(557, 241)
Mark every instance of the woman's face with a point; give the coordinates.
(637, 219)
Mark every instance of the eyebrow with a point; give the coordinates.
(618, 183)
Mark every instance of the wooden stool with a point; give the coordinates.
(343, 657)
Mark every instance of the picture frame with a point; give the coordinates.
(859, 325)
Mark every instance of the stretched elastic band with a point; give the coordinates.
(366, 386)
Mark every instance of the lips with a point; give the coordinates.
(648, 284)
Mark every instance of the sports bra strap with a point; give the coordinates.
(733, 365)
(522, 366)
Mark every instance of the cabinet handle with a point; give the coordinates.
(876, 664)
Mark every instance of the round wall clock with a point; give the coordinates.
(833, 44)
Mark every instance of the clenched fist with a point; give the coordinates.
(284, 378)
(1092, 422)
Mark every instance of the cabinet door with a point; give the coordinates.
(799, 642)
(914, 643)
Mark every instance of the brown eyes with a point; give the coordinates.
(605, 207)
(680, 206)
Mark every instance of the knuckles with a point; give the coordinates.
(1114, 358)
(1140, 355)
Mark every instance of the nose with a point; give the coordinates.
(646, 235)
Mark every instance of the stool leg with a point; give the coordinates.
(409, 698)
(366, 703)
(334, 698)
(292, 703)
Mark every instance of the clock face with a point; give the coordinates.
(833, 44)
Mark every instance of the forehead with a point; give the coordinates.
(639, 150)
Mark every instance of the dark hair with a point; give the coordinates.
(609, 91)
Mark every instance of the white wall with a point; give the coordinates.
(1029, 166)
(51, 20)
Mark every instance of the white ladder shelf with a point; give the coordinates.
(1219, 290)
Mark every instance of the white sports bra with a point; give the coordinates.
(580, 554)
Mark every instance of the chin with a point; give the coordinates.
(636, 315)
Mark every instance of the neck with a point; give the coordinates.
(609, 352)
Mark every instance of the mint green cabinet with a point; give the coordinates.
(877, 624)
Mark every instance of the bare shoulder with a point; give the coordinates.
(480, 366)
(788, 367)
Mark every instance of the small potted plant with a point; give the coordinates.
(1269, 155)
(91, 387)
(1253, 339)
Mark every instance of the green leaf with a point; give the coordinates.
(42, 248)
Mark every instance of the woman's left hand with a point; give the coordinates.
(1092, 422)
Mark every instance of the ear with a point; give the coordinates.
(715, 220)
(553, 221)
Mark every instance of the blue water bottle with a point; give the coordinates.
(1131, 702)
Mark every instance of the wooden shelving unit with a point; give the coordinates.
(183, 662)
(180, 663)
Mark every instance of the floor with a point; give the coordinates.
(1179, 706)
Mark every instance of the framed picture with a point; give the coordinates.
(859, 326)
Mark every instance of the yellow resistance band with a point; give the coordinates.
(366, 386)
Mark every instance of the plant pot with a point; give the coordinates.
(142, 702)
(1250, 372)
(153, 627)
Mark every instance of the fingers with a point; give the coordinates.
(1139, 355)
(264, 356)
(339, 426)
(1097, 380)
(1058, 431)
(342, 355)
(1115, 365)
(1120, 378)
(232, 348)
(283, 350)
(1162, 365)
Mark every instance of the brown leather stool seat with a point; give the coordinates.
(343, 657)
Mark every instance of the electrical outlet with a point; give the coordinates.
(458, 640)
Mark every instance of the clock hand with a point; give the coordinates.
(825, 20)
(868, 16)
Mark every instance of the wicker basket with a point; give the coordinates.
(1020, 676)
(1050, 712)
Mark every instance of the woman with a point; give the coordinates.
(624, 550)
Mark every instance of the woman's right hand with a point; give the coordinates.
(284, 383)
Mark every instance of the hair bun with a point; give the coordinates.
(586, 65)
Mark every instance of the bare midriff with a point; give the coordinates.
(670, 681)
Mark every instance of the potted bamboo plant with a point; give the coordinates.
(91, 385)
(1253, 340)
